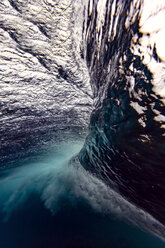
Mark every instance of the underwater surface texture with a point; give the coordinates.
(82, 119)
(126, 142)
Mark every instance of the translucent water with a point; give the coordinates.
(53, 201)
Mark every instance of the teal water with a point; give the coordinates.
(48, 203)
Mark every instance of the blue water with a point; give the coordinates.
(44, 204)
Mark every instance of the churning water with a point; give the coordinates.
(53, 201)
(75, 70)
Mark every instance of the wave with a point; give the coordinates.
(125, 146)
(60, 62)
(57, 178)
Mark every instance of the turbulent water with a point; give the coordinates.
(126, 140)
(75, 70)
(45, 93)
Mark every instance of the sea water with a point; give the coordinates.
(50, 202)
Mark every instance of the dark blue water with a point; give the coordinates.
(106, 191)
(33, 226)
(126, 141)
(42, 206)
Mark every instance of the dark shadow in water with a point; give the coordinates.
(33, 226)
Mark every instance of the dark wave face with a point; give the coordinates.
(72, 70)
(126, 142)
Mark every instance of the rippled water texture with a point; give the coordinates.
(82, 121)
(45, 94)
(126, 141)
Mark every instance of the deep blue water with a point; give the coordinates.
(39, 209)
(33, 226)
(82, 194)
